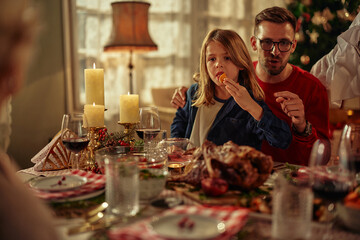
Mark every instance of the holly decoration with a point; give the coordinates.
(318, 26)
(107, 139)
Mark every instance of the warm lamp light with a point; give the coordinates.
(130, 31)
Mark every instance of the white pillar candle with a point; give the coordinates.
(129, 108)
(94, 115)
(94, 86)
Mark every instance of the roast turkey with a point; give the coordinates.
(241, 167)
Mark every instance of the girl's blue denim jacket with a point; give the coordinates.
(235, 124)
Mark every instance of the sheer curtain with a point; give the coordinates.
(176, 26)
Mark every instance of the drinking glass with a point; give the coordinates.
(332, 184)
(149, 121)
(74, 135)
(153, 170)
(122, 181)
(354, 141)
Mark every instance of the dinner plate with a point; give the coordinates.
(80, 197)
(187, 226)
(58, 183)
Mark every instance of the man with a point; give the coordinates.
(292, 94)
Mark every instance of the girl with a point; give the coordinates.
(230, 110)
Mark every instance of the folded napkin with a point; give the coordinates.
(54, 156)
(94, 182)
(233, 217)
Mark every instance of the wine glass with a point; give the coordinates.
(149, 121)
(354, 141)
(74, 135)
(331, 184)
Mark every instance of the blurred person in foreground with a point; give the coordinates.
(23, 216)
(291, 93)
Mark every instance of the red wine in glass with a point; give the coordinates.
(75, 144)
(153, 132)
(74, 136)
(330, 189)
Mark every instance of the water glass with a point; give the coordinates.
(153, 171)
(292, 209)
(122, 180)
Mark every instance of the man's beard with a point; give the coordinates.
(272, 71)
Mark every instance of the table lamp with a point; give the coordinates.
(130, 31)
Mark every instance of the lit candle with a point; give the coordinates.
(94, 86)
(94, 115)
(129, 108)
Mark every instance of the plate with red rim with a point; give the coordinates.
(187, 226)
(58, 183)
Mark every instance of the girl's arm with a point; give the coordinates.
(243, 99)
(276, 131)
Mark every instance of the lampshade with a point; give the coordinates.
(130, 28)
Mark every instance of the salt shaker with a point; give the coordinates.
(292, 208)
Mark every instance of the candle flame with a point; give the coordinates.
(128, 93)
(93, 103)
(94, 66)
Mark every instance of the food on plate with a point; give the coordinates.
(178, 154)
(186, 222)
(241, 167)
(214, 186)
(353, 199)
(222, 77)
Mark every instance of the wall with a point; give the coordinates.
(37, 110)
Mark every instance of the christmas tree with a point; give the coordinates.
(319, 24)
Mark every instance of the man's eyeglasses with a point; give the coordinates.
(268, 45)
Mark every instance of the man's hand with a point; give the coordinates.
(293, 106)
(179, 97)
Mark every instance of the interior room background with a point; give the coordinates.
(73, 36)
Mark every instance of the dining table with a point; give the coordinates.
(72, 221)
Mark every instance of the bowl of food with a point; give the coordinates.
(178, 144)
(152, 183)
(349, 210)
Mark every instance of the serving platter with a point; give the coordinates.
(255, 199)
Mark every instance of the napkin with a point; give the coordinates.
(94, 182)
(54, 156)
(339, 70)
(233, 217)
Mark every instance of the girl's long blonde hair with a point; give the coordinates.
(239, 55)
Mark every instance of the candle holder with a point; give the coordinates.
(129, 132)
(94, 144)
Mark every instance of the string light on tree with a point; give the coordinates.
(318, 26)
(313, 36)
(305, 59)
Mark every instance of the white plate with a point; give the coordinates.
(80, 197)
(58, 183)
(204, 227)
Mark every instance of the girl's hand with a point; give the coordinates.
(243, 98)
